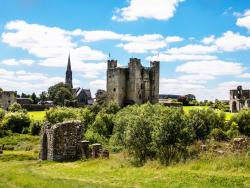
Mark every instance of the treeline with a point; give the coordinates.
(146, 131)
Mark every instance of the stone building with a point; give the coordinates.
(82, 96)
(134, 84)
(7, 98)
(239, 99)
(61, 142)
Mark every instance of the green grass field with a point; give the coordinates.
(37, 115)
(188, 108)
(21, 169)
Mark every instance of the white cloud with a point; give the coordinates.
(38, 40)
(214, 68)
(192, 49)
(153, 9)
(143, 44)
(171, 39)
(232, 41)
(196, 78)
(208, 40)
(98, 35)
(14, 62)
(146, 43)
(244, 20)
(244, 75)
(164, 57)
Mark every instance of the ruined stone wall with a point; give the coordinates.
(61, 142)
(7, 98)
(239, 99)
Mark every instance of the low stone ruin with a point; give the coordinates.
(64, 142)
(240, 143)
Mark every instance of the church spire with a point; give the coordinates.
(68, 78)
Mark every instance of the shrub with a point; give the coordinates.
(218, 134)
(15, 107)
(35, 128)
(233, 131)
(243, 121)
(203, 121)
(171, 135)
(16, 121)
(93, 137)
(60, 114)
(2, 113)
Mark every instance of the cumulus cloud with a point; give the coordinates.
(168, 57)
(14, 62)
(208, 40)
(244, 19)
(211, 68)
(193, 49)
(230, 41)
(152, 9)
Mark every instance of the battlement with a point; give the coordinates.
(112, 63)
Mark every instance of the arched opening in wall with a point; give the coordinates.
(44, 154)
(234, 107)
(114, 89)
(248, 103)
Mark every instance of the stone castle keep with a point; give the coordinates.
(239, 99)
(134, 84)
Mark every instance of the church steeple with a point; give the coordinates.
(68, 79)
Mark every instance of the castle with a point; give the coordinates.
(82, 96)
(134, 84)
(239, 99)
(7, 98)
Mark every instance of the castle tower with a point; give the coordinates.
(68, 78)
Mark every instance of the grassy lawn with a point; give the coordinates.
(21, 169)
(188, 108)
(37, 115)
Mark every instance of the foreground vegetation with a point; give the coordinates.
(21, 169)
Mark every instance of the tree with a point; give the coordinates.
(172, 135)
(34, 98)
(44, 96)
(203, 121)
(59, 93)
(243, 121)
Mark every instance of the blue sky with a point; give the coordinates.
(203, 45)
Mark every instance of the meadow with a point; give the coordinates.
(22, 169)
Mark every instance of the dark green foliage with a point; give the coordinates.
(243, 121)
(2, 113)
(35, 128)
(233, 130)
(15, 107)
(172, 135)
(203, 121)
(60, 114)
(218, 134)
(16, 121)
(59, 93)
(147, 130)
(34, 98)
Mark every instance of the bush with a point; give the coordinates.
(35, 128)
(2, 113)
(171, 135)
(93, 137)
(147, 130)
(233, 131)
(15, 107)
(218, 134)
(243, 121)
(16, 121)
(203, 121)
(61, 114)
